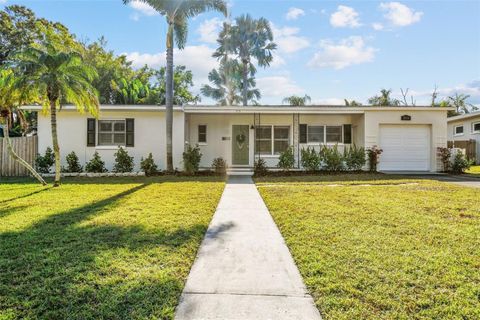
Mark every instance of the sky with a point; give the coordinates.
(329, 50)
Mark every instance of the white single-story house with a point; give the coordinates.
(409, 136)
(465, 127)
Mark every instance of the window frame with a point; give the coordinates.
(455, 130)
(473, 127)
(113, 132)
(324, 142)
(272, 139)
(308, 134)
(206, 134)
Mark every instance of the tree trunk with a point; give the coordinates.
(24, 163)
(56, 148)
(245, 83)
(169, 97)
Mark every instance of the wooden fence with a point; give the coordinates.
(25, 147)
(467, 145)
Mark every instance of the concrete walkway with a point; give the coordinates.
(243, 269)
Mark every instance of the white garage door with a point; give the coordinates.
(405, 148)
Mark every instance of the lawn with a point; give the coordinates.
(119, 249)
(382, 249)
(474, 170)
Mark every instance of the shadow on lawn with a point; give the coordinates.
(52, 270)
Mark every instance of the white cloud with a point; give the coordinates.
(294, 13)
(278, 87)
(141, 8)
(377, 26)
(196, 58)
(399, 14)
(329, 101)
(345, 17)
(346, 52)
(288, 40)
(277, 61)
(3, 1)
(209, 30)
(471, 88)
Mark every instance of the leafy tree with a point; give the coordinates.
(297, 100)
(248, 39)
(130, 91)
(10, 100)
(182, 82)
(459, 101)
(384, 99)
(227, 84)
(177, 13)
(57, 74)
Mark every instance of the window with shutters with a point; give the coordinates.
(111, 132)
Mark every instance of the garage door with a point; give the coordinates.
(405, 148)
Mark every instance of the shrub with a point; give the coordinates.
(219, 165)
(286, 160)
(460, 163)
(148, 165)
(73, 165)
(373, 157)
(123, 162)
(310, 159)
(44, 163)
(354, 158)
(332, 158)
(191, 159)
(95, 165)
(260, 168)
(445, 155)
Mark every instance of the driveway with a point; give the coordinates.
(464, 180)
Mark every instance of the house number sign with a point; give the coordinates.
(406, 117)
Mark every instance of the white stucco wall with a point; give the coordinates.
(435, 118)
(149, 136)
(468, 133)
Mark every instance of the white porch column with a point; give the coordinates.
(296, 151)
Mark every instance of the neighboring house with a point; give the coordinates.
(409, 136)
(465, 127)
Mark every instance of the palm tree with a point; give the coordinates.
(177, 13)
(58, 77)
(10, 100)
(384, 99)
(352, 103)
(248, 39)
(297, 100)
(459, 101)
(227, 84)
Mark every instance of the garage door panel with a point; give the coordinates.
(405, 148)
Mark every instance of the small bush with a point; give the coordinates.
(219, 166)
(373, 157)
(460, 163)
(148, 165)
(445, 155)
(286, 160)
(123, 162)
(191, 159)
(310, 159)
(354, 158)
(45, 162)
(260, 168)
(95, 165)
(73, 164)
(332, 158)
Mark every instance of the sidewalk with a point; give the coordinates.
(243, 269)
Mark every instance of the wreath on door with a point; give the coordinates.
(240, 139)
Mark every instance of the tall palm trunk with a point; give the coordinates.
(245, 83)
(169, 97)
(14, 155)
(56, 148)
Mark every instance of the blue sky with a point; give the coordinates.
(327, 49)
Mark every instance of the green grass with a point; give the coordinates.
(100, 249)
(409, 250)
(474, 170)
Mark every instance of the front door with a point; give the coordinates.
(240, 142)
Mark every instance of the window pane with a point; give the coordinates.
(347, 133)
(105, 125)
(280, 146)
(334, 134)
(119, 126)
(264, 133)
(280, 132)
(476, 126)
(202, 133)
(105, 138)
(459, 130)
(315, 134)
(264, 146)
(119, 138)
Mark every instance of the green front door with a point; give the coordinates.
(240, 144)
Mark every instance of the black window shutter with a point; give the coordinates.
(347, 133)
(130, 142)
(303, 133)
(91, 132)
